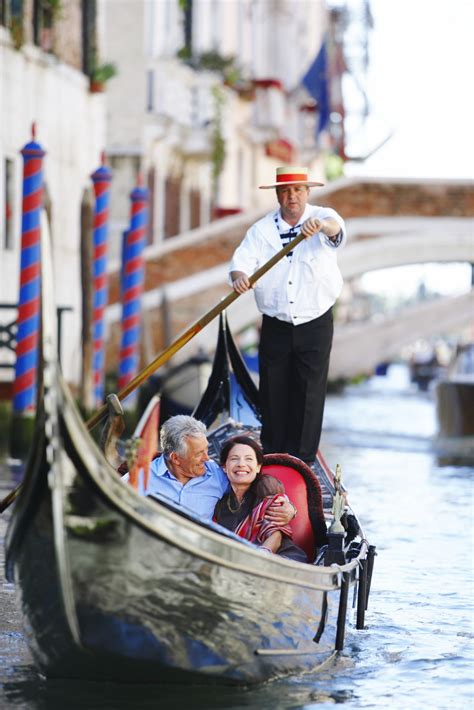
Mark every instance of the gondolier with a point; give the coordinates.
(296, 298)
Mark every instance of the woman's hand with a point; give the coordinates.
(281, 511)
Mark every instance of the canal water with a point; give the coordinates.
(417, 648)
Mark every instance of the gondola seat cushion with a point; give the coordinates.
(303, 489)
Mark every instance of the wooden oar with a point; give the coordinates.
(174, 347)
(8, 500)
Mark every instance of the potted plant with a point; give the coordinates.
(100, 74)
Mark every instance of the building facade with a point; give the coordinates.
(206, 102)
(46, 60)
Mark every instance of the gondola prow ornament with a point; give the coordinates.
(336, 533)
(338, 504)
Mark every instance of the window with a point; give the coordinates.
(10, 10)
(151, 206)
(4, 12)
(150, 90)
(89, 43)
(11, 16)
(44, 12)
(8, 205)
(173, 206)
(188, 26)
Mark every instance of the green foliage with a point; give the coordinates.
(5, 417)
(54, 7)
(334, 166)
(213, 61)
(17, 31)
(218, 142)
(184, 54)
(50, 12)
(103, 72)
(336, 386)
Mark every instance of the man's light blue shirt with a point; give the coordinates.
(199, 494)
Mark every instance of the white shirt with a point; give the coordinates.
(299, 289)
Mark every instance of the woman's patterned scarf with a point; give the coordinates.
(255, 528)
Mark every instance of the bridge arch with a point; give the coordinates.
(380, 243)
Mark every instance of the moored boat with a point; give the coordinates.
(455, 410)
(117, 586)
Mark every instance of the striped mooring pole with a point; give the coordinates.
(133, 274)
(101, 179)
(27, 338)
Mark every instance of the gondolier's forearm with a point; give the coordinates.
(330, 227)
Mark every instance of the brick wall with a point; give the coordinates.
(382, 199)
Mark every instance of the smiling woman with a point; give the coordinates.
(241, 459)
(259, 513)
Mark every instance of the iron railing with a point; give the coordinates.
(8, 331)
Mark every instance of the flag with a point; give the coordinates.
(316, 82)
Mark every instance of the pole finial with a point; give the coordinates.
(102, 157)
(33, 130)
(338, 503)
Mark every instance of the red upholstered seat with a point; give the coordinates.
(303, 489)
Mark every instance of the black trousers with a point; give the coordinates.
(294, 364)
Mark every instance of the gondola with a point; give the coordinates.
(116, 586)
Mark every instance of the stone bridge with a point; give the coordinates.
(390, 223)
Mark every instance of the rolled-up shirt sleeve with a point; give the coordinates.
(327, 213)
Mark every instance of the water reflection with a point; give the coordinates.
(278, 694)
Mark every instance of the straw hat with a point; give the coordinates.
(292, 175)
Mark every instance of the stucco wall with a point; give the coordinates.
(36, 87)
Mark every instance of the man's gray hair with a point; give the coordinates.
(174, 433)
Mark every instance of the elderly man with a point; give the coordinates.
(296, 298)
(185, 474)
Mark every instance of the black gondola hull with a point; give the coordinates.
(116, 586)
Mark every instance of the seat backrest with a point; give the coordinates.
(303, 489)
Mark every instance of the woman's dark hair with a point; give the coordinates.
(241, 439)
(267, 486)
